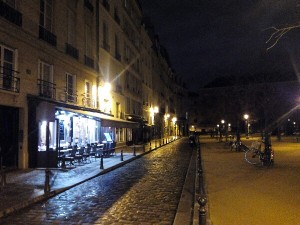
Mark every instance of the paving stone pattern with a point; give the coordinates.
(145, 191)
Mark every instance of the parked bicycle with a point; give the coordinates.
(238, 146)
(257, 156)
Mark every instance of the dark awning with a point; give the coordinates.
(106, 120)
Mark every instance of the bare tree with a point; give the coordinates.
(278, 33)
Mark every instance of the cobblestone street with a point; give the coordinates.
(145, 191)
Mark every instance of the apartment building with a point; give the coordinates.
(73, 72)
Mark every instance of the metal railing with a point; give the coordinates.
(9, 81)
(47, 89)
(202, 199)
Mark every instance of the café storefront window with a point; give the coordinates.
(47, 128)
(77, 129)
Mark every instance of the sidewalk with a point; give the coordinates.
(232, 185)
(25, 187)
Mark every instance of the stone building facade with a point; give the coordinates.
(75, 71)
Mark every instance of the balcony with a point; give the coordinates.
(87, 101)
(106, 5)
(47, 89)
(47, 36)
(10, 14)
(70, 50)
(118, 56)
(120, 115)
(88, 61)
(65, 95)
(89, 5)
(119, 88)
(117, 19)
(9, 81)
(106, 46)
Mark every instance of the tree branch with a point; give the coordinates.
(278, 33)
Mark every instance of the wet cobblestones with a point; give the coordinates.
(145, 191)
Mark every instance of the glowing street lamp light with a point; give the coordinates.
(246, 117)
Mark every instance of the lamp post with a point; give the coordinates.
(153, 112)
(246, 117)
(222, 129)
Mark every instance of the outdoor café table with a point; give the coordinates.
(99, 149)
(62, 154)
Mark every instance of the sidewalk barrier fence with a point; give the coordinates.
(202, 199)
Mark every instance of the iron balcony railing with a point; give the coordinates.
(9, 80)
(66, 95)
(106, 5)
(71, 96)
(106, 46)
(88, 61)
(72, 51)
(88, 5)
(10, 14)
(47, 89)
(47, 36)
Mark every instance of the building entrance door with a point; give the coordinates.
(9, 126)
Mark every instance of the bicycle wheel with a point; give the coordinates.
(252, 157)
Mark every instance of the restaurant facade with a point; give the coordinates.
(54, 127)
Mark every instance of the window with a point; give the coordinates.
(71, 87)
(87, 97)
(88, 88)
(88, 40)
(71, 27)
(105, 36)
(46, 80)
(7, 57)
(11, 3)
(46, 22)
(46, 13)
(117, 48)
(118, 110)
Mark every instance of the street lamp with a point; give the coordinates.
(153, 112)
(174, 120)
(246, 117)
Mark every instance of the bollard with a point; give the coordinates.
(47, 181)
(134, 153)
(202, 200)
(155, 143)
(163, 141)
(101, 163)
(122, 155)
(150, 146)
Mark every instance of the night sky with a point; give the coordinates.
(208, 39)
